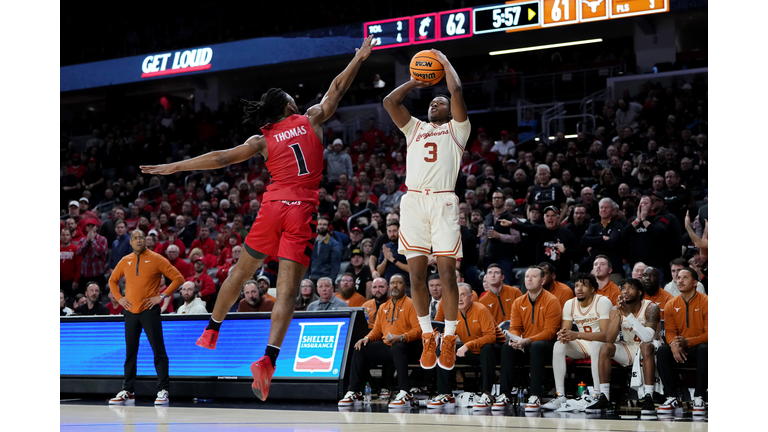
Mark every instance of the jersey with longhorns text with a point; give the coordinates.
(434, 153)
(628, 334)
(295, 160)
(588, 320)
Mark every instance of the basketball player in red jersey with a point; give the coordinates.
(293, 151)
(429, 215)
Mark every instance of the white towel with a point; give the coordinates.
(637, 381)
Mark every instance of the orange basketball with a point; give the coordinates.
(426, 67)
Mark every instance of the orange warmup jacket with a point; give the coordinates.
(478, 328)
(563, 292)
(500, 304)
(396, 318)
(440, 314)
(690, 320)
(610, 290)
(142, 278)
(539, 325)
(357, 300)
(661, 298)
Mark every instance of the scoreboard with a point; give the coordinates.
(512, 16)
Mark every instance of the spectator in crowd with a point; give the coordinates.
(92, 305)
(499, 297)
(93, 252)
(237, 227)
(553, 243)
(528, 127)
(578, 226)
(687, 327)
(534, 321)
(646, 233)
(653, 292)
(638, 269)
(173, 239)
(601, 268)
(391, 196)
(254, 301)
(187, 231)
(604, 238)
(63, 308)
(121, 246)
(193, 304)
(74, 231)
(224, 270)
(326, 255)
(355, 237)
(560, 290)
(263, 283)
(182, 266)
(591, 322)
(380, 291)
(588, 200)
(108, 226)
(546, 193)
(482, 341)
(205, 242)
(80, 300)
(627, 114)
(84, 209)
(194, 254)
(675, 266)
(113, 306)
(677, 198)
(500, 241)
(69, 266)
(395, 338)
(361, 273)
(338, 162)
(204, 283)
(306, 295)
(390, 260)
(435, 294)
(505, 146)
(232, 239)
(326, 298)
(347, 291)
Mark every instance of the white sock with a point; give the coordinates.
(606, 390)
(426, 324)
(450, 327)
(648, 389)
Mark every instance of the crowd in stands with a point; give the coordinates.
(629, 197)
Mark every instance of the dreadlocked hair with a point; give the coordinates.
(267, 110)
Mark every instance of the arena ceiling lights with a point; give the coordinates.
(541, 47)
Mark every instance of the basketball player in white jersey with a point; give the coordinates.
(591, 313)
(638, 320)
(429, 213)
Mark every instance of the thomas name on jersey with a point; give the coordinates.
(292, 133)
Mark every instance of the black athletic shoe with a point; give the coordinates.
(648, 407)
(601, 404)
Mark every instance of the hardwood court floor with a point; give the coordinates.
(185, 416)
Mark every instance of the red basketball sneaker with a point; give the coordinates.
(208, 339)
(262, 371)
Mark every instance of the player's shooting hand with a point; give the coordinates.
(152, 301)
(365, 50)
(124, 303)
(164, 169)
(420, 84)
(361, 343)
(440, 57)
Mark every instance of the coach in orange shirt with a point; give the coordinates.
(395, 338)
(536, 318)
(560, 290)
(601, 268)
(499, 297)
(142, 270)
(380, 291)
(482, 344)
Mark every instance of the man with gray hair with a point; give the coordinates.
(193, 304)
(182, 266)
(545, 193)
(327, 300)
(604, 238)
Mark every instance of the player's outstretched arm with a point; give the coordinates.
(393, 102)
(212, 160)
(321, 112)
(458, 107)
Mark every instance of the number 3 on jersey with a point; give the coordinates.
(432, 152)
(299, 159)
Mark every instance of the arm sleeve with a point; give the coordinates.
(487, 326)
(644, 333)
(702, 338)
(515, 321)
(590, 238)
(176, 278)
(552, 320)
(117, 273)
(513, 237)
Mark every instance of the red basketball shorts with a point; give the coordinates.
(285, 229)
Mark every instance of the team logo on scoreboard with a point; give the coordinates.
(177, 62)
(317, 347)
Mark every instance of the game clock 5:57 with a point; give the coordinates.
(508, 16)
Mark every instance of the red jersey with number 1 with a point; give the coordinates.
(295, 160)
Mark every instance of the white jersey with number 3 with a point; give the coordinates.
(434, 153)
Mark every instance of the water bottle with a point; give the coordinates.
(582, 388)
(367, 394)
